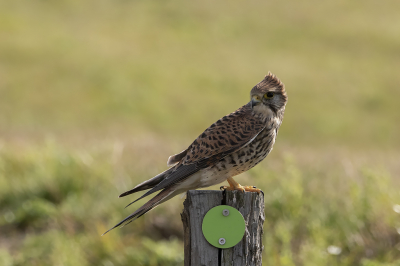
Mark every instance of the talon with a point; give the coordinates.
(252, 189)
(233, 185)
(241, 189)
(227, 188)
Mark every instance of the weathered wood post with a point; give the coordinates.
(198, 252)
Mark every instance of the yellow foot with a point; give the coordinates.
(252, 189)
(239, 188)
(233, 185)
(242, 188)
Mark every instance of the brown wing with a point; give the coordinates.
(228, 134)
(174, 159)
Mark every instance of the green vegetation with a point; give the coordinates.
(95, 95)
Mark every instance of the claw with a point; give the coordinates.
(233, 185)
(241, 188)
(252, 189)
(232, 188)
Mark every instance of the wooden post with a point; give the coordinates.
(198, 252)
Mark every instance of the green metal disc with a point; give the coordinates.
(219, 228)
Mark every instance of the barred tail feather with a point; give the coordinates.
(164, 195)
(148, 183)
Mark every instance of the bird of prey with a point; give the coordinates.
(230, 146)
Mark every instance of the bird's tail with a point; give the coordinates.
(149, 183)
(164, 195)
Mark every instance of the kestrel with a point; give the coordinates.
(234, 144)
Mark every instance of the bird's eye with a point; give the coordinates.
(269, 95)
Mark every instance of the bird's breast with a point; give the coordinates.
(249, 156)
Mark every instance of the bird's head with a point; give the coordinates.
(268, 95)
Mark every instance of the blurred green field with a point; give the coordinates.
(95, 95)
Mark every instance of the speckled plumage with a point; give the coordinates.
(232, 145)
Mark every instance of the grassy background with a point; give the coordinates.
(95, 95)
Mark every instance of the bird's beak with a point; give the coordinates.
(255, 100)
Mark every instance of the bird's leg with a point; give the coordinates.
(233, 185)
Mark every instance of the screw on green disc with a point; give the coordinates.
(223, 226)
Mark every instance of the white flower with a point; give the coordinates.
(396, 208)
(334, 250)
